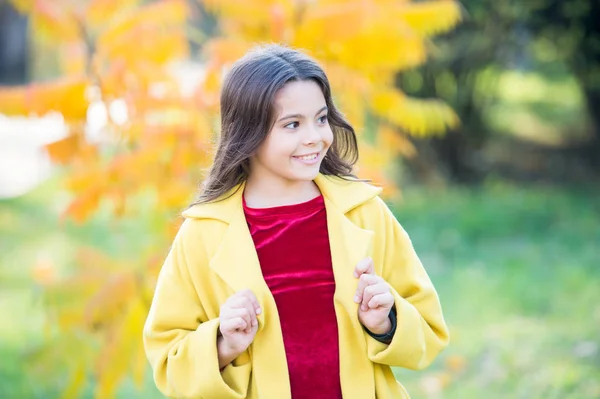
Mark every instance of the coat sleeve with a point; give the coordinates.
(421, 332)
(181, 342)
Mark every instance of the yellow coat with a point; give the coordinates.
(213, 256)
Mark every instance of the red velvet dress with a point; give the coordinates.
(292, 243)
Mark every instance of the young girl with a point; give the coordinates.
(289, 278)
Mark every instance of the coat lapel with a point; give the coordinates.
(236, 262)
(349, 244)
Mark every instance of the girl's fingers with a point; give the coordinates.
(251, 313)
(370, 291)
(365, 266)
(247, 295)
(245, 314)
(232, 325)
(249, 308)
(250, 295)
(244, 303)
(364, 281)
(239, 312)
(385, 300)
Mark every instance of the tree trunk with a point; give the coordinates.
(592, 97)
(13, 46)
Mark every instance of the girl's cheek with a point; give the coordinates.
(328, 138)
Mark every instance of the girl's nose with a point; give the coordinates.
(313, 136)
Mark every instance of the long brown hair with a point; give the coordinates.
(248, 115)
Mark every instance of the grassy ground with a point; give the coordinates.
(516, 270)
(518, 275)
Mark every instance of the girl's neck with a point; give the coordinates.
(264, 193)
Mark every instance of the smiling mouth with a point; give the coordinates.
(309, 157)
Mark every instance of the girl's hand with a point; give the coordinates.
(374, 298)
(238, 325)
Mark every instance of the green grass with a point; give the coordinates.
(516, 269)
(517, 272)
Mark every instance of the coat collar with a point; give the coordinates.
(345, 195)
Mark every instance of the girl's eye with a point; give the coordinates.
(292, 125)
(323, 119)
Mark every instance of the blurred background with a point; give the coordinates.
(480, 118)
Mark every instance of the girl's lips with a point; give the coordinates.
(308, 159)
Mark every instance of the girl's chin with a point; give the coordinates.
(305, 174)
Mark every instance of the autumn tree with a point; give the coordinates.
(121, 53)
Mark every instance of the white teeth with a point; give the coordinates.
(308, 157)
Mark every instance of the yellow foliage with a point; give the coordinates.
(156, 30)
(77, 381)
(120, 50)
(100, 11)
(418, 117)
(428, 17)
(66, 95)
(364, 37)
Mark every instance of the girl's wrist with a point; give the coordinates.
(226, 352)
(383, 328)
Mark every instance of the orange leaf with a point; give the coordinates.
(83, 206)
(67, 96)
(64, 150)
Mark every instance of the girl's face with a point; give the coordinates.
(300, 138)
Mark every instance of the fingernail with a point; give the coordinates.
(258, 311)
(356, 299)
(355, 274)
(363, 307)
